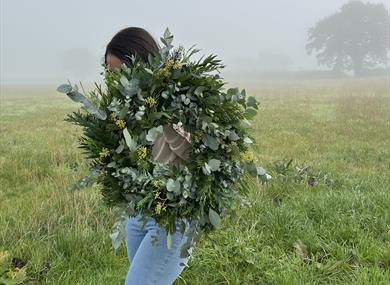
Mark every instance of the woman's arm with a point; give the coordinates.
(180, 130)
(172, 146)
(178, 141)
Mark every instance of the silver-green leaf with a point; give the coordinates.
(250, 112)
(64, 88)
(247, 140)
(215, 219)
(153, 133)
(76, 96)
(210, 141)
(260, 171)
(206, 169)
(132, 144)
(251, 102)
(173, 186)
(169, 240)
(214, 164)
(233, 136)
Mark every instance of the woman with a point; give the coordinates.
(151, 264)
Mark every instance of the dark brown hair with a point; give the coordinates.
(131, 41)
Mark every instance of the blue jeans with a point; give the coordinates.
(153, 264)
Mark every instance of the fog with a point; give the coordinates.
(46, 41)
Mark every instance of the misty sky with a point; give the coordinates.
(46, 41)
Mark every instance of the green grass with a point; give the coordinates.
(328, 224)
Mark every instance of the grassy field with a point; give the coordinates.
(324, 218)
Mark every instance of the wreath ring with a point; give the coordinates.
(122, 123)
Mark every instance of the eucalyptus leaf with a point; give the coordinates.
(139, 95)
(76, 96)
(65, 88)
(124, 81)
(233, 91)
(111, 164)
(233, 136)
(123, 112)
(251, 102)
(120, 148)
(170, 196)
(247, 140)
(115, 239)
(159, 115)
(153, 133)
(140, 113)
(130, 86)
(165, 94)
(250, 112)
(215, 219)
(260, 171)
(214, 164)
(118, 233)
(169, 240)
(206, 169)
(173, 186)
(245, 123)
(148, 70)
(199, 90)
(132, 144)
(210, 141)
(251, 168)
(168, 37)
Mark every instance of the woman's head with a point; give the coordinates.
(128, 42)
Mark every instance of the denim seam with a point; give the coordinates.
(171, 252)
(163, 266)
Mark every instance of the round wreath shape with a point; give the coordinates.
(122, 122)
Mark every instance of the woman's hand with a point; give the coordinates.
(180, 130)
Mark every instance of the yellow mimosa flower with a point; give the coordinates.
(157, 183)
(176, 65)
(150, 101)
(142, 152)
(198, 135)
(248, 155)
(104, 152)
(158, 207)
(120, 123)
(113, 116)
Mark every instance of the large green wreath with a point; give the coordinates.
(121, 123)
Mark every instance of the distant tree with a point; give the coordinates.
(352, 39)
